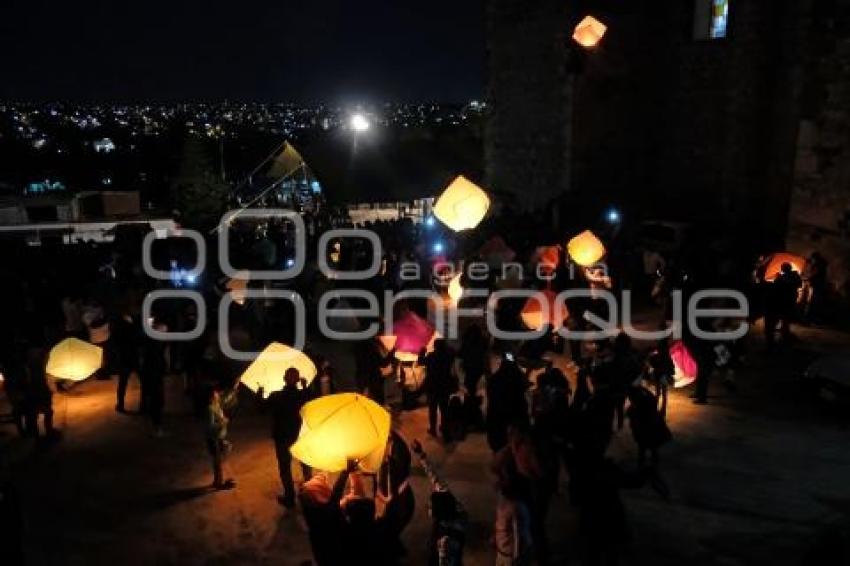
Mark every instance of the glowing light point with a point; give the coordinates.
(589, 32)
(359, 123)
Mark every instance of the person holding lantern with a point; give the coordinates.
(286, 423)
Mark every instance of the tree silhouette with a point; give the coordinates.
(198, 192)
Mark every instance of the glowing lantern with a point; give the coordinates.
(74, 359)
(462, 205)
(589, 32)
(237, 287)
(535, 316)
(685, 364)
(548, 258)
(455, 289)
(586, 249)
(387, 342)
(774, 265)
(267, 369)
(341, 427)
(410, 334)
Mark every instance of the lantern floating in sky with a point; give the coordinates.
(589, 32)
(74, 360)
(551, 312)
(774, 265)
(341, 427)
(547, 258)
(455, 289)
(267, 369)
(684, 363)
(462, 205)
(586, 249)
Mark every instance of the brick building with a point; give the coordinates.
(670, 116)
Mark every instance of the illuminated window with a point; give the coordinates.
(711, 19)
(719, 18)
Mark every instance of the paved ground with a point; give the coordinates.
(757, 477)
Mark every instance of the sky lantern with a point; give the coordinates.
(774, 265)
(455, 289)
(547, 259)
(411, 333)
(462, 205)
(74, 359)
(267, 369)
(685, 364)
(237, 286)
(589, 32)
(535, 316)
(586, 249)
(496, 252)
(341, 427)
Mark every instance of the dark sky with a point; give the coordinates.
(273, 50)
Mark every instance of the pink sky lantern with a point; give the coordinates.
(412, 333)
(685, 364)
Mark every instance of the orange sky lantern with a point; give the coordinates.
(589, 32)
(774, 264)
(586, 249)
(535, 316)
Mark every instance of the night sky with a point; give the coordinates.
(344, 51)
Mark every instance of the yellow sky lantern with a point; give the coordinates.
(462, 205)
(586, 249)
(74, 360)
(267, 369)
(589, 32)
(341, 427)
(455, 289)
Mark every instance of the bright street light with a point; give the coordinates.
(359, 123)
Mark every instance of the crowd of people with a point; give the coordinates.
(541, 422)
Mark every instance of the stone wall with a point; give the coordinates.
(653, 121)
(819, 218)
